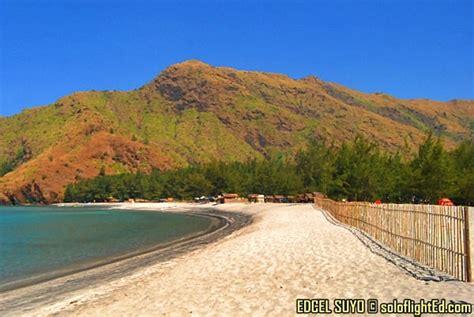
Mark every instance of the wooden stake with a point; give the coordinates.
(467, 245)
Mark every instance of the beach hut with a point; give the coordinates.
(256, 198)
(309, 197)
(300, 198)
(252, 198)
(269, 199)
(319, 195)
(226, 198)
(280, 199)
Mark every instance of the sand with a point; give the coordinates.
(288, 252)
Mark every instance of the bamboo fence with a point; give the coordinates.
(437, 236)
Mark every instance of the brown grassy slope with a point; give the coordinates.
(43, 178)
(193, 112)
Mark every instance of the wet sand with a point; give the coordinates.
(287, 252)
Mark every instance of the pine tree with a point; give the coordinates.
(432, 174)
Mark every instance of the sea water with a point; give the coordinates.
(37, 241)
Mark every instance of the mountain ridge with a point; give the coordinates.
(193, 112)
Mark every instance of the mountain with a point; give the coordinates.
(193, 112)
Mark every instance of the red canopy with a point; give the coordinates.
(445, 202)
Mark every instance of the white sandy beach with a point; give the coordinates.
(289, 252)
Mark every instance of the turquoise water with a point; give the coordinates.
(40, 240)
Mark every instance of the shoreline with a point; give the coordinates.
(28, 293)
(216, 224)
(286, 252)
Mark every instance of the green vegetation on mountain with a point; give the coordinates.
(193, 113)
(357, 170)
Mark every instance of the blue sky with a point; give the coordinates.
(410, 49)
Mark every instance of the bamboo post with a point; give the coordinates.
(467, 245)
(437, 236)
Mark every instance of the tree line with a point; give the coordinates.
(357, 171)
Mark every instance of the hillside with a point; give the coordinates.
(193, 112)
